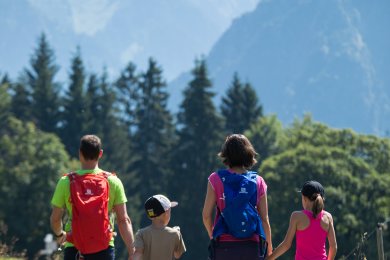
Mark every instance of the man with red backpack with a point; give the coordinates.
(90, 196)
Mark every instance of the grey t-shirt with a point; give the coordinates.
(159, 244)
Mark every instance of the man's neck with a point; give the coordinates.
(89, 165)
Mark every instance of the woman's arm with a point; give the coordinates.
(286, 244)
(208, 207)
(139, 252)
(331, 239)
(262, 208)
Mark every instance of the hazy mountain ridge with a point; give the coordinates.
(310, 56)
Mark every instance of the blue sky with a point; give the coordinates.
(113, 32)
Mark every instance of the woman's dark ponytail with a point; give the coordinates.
(318, 204)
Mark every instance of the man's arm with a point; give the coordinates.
(56, 224)
(125, 228)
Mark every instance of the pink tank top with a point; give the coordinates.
(217, 185)
(311, 241)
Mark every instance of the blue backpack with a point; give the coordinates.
(239, 217)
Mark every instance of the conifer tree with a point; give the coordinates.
(45, 98)
(73, 116)
(21, 105)
(113, 132)
(240, 106)
(93, 106)
(200, 139)
(252, 107)
(127, 95)
(154, 133)
(5, 100)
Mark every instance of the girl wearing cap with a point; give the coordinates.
(311, 226)
(238, 155)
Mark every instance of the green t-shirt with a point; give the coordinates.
(62, 193)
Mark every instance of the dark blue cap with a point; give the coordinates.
(312, 187)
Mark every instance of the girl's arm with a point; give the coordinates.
(286, 244)
(263, 212)
(331, 239)
(208, 207)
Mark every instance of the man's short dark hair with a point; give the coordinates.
(238, 151)
(90, 146)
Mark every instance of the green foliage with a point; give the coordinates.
(5, 101)
(74, 116)
(195, 157)
(45, 98)
(30, 165)
(267, 137)
(21, 100)
(240, 107)
(154, 134)
(356, 194)
(140, 144)
(128, 94)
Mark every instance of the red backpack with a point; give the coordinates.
(89, 194)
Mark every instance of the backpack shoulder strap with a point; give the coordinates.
(107, 174)
(71, 175)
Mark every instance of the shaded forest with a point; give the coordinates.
(155, 151)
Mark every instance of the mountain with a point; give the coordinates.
(326, 57)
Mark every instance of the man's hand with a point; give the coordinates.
(61, 238)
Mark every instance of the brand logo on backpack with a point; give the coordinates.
(243, 190)
(89, 194)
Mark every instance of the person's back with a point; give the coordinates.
(312, 227)
(158, 241)
(311, 238)
(89, 154)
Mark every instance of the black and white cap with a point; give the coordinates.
(157, 205)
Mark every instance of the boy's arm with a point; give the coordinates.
(286, 244)
(125, 228)
(139, 252)
(180, 247)
(331, 239)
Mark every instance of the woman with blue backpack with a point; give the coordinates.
(241, 228)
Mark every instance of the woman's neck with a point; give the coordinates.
(238, 169)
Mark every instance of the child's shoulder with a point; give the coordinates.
(297, 214)
(328, 215)
(173, 230)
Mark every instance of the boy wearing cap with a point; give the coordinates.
(158, 241)
(311, 226)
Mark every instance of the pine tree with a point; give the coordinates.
(45, 99)
(73, 116)
(200, 138)
(113, 132)
(93, 106)
(5, 100)
(154, 133)
(128, 94)
(21, 103)
(240, 107)
(252, 109)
